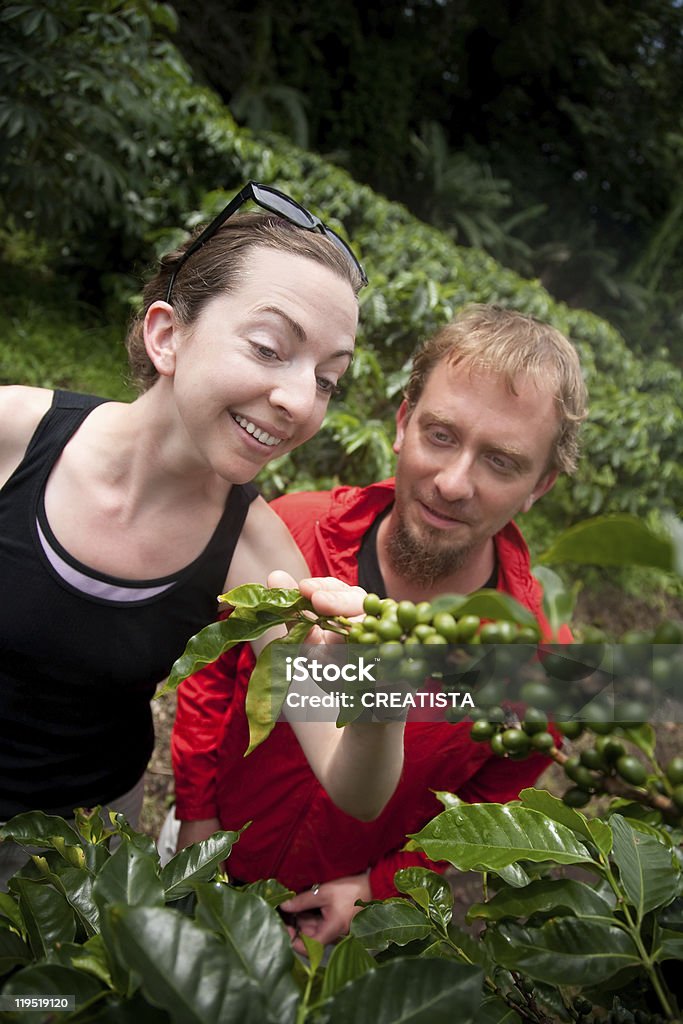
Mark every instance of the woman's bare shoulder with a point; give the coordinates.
(21, 410)
(265, 544)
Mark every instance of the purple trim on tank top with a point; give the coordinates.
(94, 587)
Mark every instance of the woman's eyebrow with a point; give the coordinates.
(298, 331)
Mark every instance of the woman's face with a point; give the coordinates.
(253, 376)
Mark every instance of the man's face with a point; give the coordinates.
(471, 456)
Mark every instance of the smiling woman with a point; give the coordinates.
(120, 523)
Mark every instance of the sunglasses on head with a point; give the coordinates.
(275, 202)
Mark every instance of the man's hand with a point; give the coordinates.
(326, 915)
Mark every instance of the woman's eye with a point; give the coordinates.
(328, 387)
(266, 353)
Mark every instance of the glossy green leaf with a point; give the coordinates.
(256, 943)
(90, 957)
(208, 645)
(492, 604)
(486, 837)
(182, 967)
(55, 979)
(555, 809)
(610, 540)
(410, 992)
(129, 876)
(9, 911)
(646, 867)
(667, 945)
(77, 887)
(564, 950)
(430, 891)
(394, 921)
(448, 799)
(196, 863)
(258, 598)
(544, 895)
(47, 915)
(494, 1010)
(315, 951)
(514, 875)
(349, 960)
(558, 601)
(266, 694)
(13, 952)
(270, 890)
(35, 828)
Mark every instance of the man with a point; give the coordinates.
(490, 418)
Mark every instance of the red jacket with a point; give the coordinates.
(297, 834)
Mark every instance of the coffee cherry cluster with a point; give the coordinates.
(403, 622)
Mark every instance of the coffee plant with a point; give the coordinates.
(580, 919)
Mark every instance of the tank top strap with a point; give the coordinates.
(60, 422)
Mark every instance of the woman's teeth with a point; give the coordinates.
(256, 432)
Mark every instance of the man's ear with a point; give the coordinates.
(402, 416)
(160, 337)
(546, 482)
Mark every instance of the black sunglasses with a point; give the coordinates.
(275, 202)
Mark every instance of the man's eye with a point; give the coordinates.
(266, 353)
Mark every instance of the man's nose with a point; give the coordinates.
(455, 480)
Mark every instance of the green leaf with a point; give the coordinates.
(258, 598)
(558, 602)
(270, 890)
(430, 891)
(492, 604)
(90, 957)
(268, 689)
(196, 863)
(514, 875)
(610, 540)
(667, 945)
(410, 992)
(315, 951)
(47, 915)
(208, 645)
(495, 1010)
(256, 942)
(554, 808)
(646, 867)
(9, 910)
(486, 837)
(544, 895)
(13, 952)
(393, 921)
(35, 828)
(349, 960)
(181, 967)
(129, 876)
(564, 950)
(55, 979)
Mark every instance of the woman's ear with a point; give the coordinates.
(161, 337)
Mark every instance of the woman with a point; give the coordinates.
(120, 523)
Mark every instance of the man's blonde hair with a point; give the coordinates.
(509, 344)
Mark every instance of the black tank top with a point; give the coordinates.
(81, 653)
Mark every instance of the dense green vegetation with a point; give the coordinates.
(162, 144)
(548, 133)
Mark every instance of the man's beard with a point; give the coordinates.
(415, 561)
